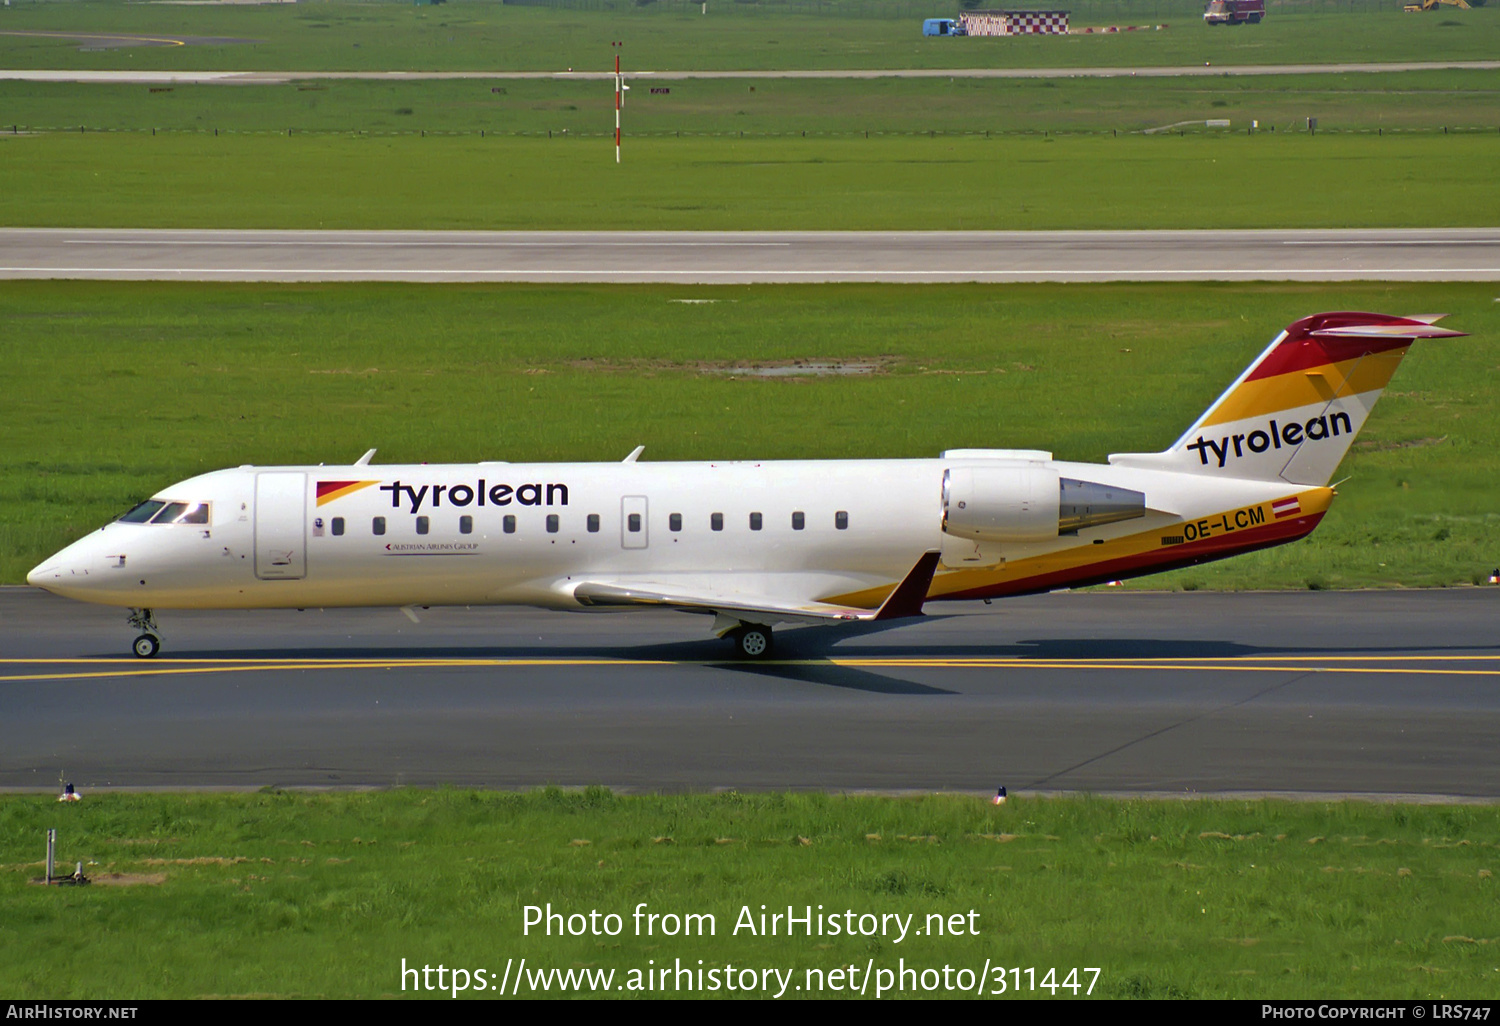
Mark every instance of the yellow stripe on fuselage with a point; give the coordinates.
(1079, 557)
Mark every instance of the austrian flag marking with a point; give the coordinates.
(1286, 507)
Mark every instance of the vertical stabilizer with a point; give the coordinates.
(1293, 413)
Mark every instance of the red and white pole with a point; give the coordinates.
(619, 95)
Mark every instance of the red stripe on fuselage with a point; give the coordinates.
(1169, 557)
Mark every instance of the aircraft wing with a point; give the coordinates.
(904, 600)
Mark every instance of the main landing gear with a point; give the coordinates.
(752, 641)
(148, 644)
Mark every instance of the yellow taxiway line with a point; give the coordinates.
(85, 37)
(1417, 665)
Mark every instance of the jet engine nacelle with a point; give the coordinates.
(1016, 503)
(1029, 503)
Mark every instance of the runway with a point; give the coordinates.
(1364, 693)
(189, 77)
(1449, 254)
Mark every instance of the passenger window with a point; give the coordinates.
(508, 524)
(142, 512)
(674, 522)
(593, 523)
(551, 523)
(465, 525)
(422, 524)
(633, 523)
(755, 521)
(338, 527)
(169, 513)
(841, 520)
(197, 515)
(716, 521)
(378, 525)
(798, 521)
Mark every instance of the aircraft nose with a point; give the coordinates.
(74, 569)
(49, 573)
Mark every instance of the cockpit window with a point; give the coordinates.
(157, 512)
(142, 512)
(171, 512)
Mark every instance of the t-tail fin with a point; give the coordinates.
(1293, 413)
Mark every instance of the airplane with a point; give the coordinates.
(755, 544)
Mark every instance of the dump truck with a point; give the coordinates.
(1234, 12)
(1432, 5)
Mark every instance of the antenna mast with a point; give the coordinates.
(619, 99)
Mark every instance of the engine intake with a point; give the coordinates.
(1029, 503)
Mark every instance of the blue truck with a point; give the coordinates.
(942, 27)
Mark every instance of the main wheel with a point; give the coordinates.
(146, 646)
(753, 642)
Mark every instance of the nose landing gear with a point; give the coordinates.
(148, 644)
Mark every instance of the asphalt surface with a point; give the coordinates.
(1451, 254)
(1377, 693)
(276, 77)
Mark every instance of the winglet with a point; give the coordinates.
(364, 461)
(908, 596)
(635, 454)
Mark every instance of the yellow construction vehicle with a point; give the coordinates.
(1432, 5)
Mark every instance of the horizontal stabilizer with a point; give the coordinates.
(1412, 331)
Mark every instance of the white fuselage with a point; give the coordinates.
(513, 533)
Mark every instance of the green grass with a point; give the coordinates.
(1410, 101)
(114, 390)
(970, 182)
(477, 35)
(324, 895)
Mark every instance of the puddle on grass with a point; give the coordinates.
(801, 368)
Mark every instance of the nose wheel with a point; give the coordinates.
(752, 642)
(148, 644)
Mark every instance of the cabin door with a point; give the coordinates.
(280, 526)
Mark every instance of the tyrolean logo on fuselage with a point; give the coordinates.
(480, 493)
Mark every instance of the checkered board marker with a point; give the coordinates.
(1050, 23)
(1015, 23)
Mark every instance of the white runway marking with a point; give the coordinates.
(832, 274)
(727, 257)
(445, 244)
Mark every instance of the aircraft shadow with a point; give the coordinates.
(710, 652)
(812, 642)
(806, 655)
(826, 643)
(834, 676)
